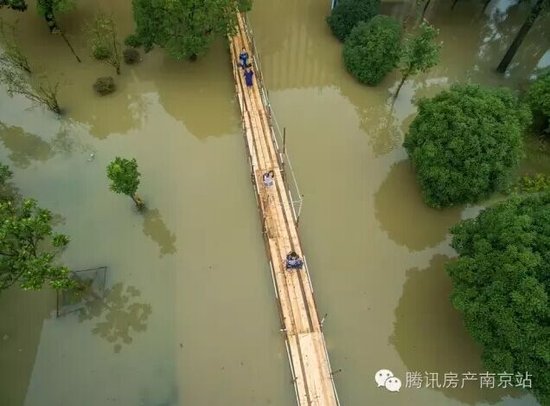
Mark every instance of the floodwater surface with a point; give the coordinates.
(188, 315)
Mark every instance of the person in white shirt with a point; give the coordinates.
(269, 178)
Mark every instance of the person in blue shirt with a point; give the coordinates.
(243, 57)
(293, 261)
(248, 73)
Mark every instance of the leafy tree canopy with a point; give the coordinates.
(538, 97)
(28, 245)
(372, 49)
(420, 51)
(185, 28)
(124, 176)
(348, 13)
(501, 283)
(465, 142)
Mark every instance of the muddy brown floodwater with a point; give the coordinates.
(189, 316)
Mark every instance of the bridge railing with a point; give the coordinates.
(278, 136)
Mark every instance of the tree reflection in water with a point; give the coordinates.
(123, 316)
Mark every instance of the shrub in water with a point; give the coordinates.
(104, 85)
(348, 13)
(101, 52)
(132, 41)
(372, 49)
(131, 56)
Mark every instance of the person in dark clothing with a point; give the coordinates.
(248, 73)
(243, 57)
(293, 261)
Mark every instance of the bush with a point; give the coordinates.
(465, 143)
(372, 49)
(131, 56)
(348, 13)
(104, 85)
(133, 41)
(501, 285)
(101, 52)
(538, 97)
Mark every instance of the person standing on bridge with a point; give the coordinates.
(243, 57)
(293, 261)
(268, 178)
(248, 73)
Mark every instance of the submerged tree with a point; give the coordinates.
(48, 10)
(420, 53)
(41, 91)
(372, 49)
(124, 177)
(28, 246)
(185, 28)
(501, 284)
(538, 7)
(12, 54)
(465, 143)
(348, 13)
(103, 41)
(19, 5)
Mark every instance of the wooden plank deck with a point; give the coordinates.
(305, 342)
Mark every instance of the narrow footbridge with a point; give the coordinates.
(305, 343)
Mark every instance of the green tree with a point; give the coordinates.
(538, 97)
(501, 283)
(104, 42)
(420, 53)
(28, 245)
(465, 143)
(185, 28)
(347, 13)
(12, 54)
(534, 13)
(372, 49)
(124, 177)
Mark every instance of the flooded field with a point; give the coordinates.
(189, 314)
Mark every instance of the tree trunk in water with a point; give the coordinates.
(524, 30)
(400, 86)
(139, 203)
(424, 10)
(70, 46)
(487, 2)
(454, 4)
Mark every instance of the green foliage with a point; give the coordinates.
(538, 97)
(56, 6)
(185, 28)
(348, 13)
(501, 283)
(12, 54)
(244, 5)
(6, 188)
(124, 177)
(103, 41)
(28, 247)
(372, 49)
(532, 184)
(132, 41)
(19, 5)
(420, 51)
(465, 143)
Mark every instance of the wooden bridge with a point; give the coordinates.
(305, 343)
